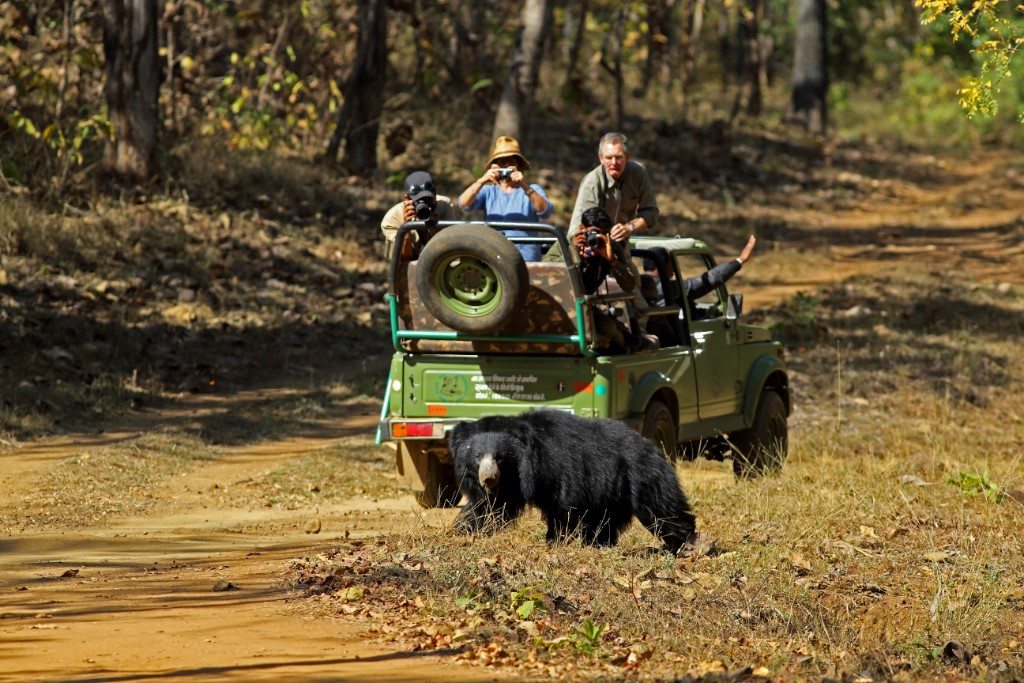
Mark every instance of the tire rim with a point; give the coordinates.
(468, 286)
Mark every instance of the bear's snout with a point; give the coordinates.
(489, 473)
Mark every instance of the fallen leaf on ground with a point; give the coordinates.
(799, 564)
(937, 556)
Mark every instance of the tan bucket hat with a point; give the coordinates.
(506, 146)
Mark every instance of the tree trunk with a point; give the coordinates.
(132, 85)
(612, 63)
(751, 18)
(692, 26)
(725, 49)
(517, 97)
(171, 21)
(575, 25)
(659, 14)
(467, 36)
(810, 76)
(359, 119)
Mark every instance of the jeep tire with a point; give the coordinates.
(440, 490)
(471, 278)
(762, 448)
(660, 428)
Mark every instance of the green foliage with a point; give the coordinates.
(277, 85)
(267, 74)
(526, 602)
(586, 637)
(922, 108)
(472, 603)
(996, 36)
(974, 484)
(48, 74)
(482, 84)
(65, 137)
(262, 102)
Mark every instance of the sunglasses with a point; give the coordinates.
(413, 190)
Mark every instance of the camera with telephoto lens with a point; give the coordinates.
(424, 208)
(594, 238)
(506, 173)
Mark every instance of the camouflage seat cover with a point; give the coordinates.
(550, 308)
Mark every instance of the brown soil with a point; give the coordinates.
(133, 597)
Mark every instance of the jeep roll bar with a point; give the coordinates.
(556, 233)
(552, 235)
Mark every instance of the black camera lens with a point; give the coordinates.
(593, 238)
(424, 209)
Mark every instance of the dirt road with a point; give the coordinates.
(138, 596)
(136, 593)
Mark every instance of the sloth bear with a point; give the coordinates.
(590, 476)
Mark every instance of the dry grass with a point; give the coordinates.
(846, 564)
(353, 467)
(91, 487)
(131, 303)
(874, 550)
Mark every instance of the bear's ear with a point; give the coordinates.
(457, 434)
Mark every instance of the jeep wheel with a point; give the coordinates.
(440, 490)
(471, 278)
(762, 448)
(660, 428)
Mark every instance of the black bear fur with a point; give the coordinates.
(586, 476)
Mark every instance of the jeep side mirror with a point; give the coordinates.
(735, 307)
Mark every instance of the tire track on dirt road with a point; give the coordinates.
(133, 598)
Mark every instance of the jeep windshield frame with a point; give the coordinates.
(550, 235)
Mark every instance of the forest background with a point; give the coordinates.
(136, 136)
(366, 83)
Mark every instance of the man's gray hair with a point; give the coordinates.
(615, 139)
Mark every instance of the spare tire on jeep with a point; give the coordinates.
(471, 278)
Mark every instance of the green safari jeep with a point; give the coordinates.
(477, 331)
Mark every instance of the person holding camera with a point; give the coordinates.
(621, 187)
(420, 203)
(504, 195)
(599, 255)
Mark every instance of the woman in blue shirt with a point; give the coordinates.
(503, 194)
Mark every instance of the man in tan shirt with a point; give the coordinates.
(621, 187)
